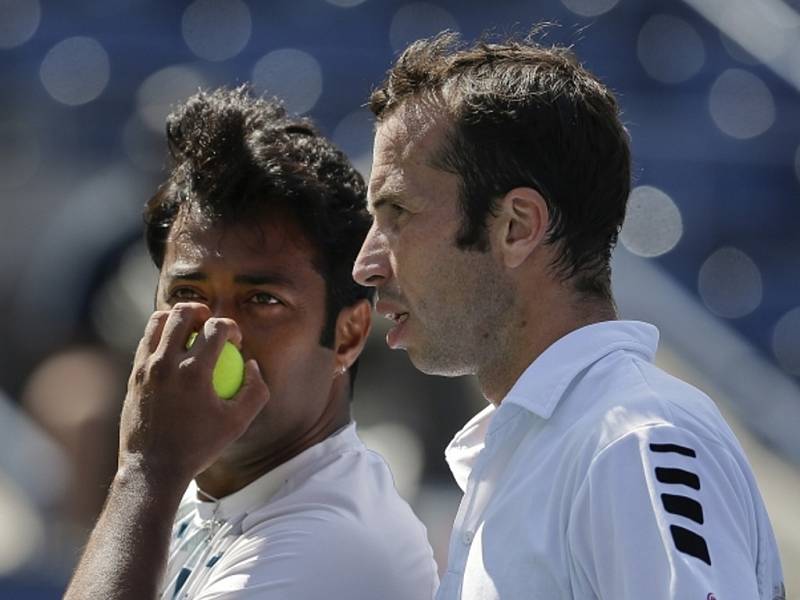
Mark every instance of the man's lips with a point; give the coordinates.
(392, 311)
(396, 313)
(398, 318)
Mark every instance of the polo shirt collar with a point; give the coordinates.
(542, 384)
(463, 450)
(260, 491)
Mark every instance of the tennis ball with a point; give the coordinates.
(228, 372)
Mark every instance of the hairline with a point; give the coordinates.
(448, 114)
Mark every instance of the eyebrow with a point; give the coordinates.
(271, 278)
(384, 198)
(264, 279)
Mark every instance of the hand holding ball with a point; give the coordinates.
(228, 372)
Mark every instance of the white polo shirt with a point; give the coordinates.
(601, 476)
(327, 524)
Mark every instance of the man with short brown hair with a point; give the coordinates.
(499, 184)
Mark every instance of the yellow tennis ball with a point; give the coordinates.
(228, 372)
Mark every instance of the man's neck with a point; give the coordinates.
(529, 336)
(232, 473)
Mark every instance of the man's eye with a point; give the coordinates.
(184, 294)
(264, 298)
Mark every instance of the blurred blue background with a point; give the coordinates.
(710, 250)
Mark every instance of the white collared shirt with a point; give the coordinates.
(601, 476)
(328, 523)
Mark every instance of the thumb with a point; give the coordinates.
(251, 398)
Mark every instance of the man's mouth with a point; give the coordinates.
(395, 335)
(398, 318)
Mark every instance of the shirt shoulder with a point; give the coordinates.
(622, 393)
(685, 520)
(341, 531)
(309, 554)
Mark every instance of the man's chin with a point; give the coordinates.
(432, 363)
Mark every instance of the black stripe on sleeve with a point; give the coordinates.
(673, 448)
(678, 476)
(690, 543)
(683, 506)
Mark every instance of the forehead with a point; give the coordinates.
(412, 132)
(267, 243)
(406, 144)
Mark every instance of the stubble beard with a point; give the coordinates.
(464, 331)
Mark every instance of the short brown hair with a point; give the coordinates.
(524, 115)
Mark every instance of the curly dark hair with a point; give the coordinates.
(524, 115)
(236, 157)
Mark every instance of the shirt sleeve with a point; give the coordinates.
(308, 557)
(663, 514)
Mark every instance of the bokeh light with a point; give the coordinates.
(19, 20)
(786, 341)
(20, 154)
(653, 224)
(162, 90)
(741, 104)
(670, 49)
(730, 283)
(292, 75)
(418, 20)
(75, 71)
(589, 8)
(216, 29)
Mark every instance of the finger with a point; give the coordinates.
(250, 399)
(227, 329)
(183, 319)
(212, 337)
(152, 335)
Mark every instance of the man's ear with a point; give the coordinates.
(521, 225)
(352, 328)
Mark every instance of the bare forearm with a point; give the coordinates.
(127, 551)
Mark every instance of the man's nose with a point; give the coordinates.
(223, 307)
(372, 266)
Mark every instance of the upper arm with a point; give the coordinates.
(664, 514)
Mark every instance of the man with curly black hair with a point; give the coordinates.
(269, 494)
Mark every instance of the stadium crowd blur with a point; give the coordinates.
(710, 250)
